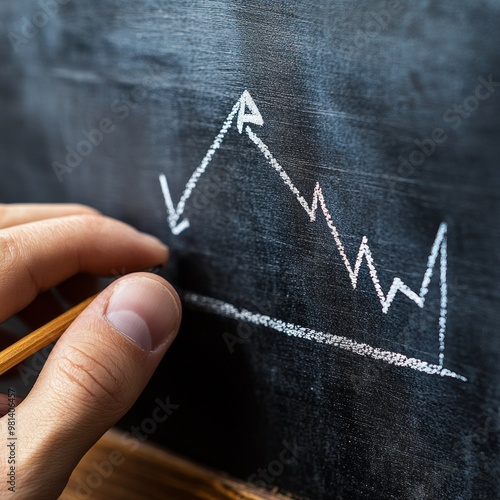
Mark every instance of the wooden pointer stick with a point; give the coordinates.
(40, 338)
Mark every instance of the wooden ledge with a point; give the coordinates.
(132, 470)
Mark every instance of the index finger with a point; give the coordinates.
(39, 255)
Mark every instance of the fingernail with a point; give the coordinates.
(144, 311)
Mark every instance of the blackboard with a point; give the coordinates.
(326, 175)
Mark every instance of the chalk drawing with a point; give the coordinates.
(215, 306)
(175, 213)
(439, 248)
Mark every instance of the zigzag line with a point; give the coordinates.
(364, 252)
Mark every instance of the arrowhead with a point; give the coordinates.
(254, 116)
(178, 228)
(173, 217)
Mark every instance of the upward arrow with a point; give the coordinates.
(244, 103)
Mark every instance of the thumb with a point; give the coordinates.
(96, 371)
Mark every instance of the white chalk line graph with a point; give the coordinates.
(438, 255)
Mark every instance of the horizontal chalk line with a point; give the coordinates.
(215, 306)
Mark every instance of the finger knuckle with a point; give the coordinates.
(93, 381)
(13, 251)
(9, 249)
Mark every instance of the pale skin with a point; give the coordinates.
(95, 372)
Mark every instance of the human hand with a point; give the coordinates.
(103, 361)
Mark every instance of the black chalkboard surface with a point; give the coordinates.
(326, 175)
